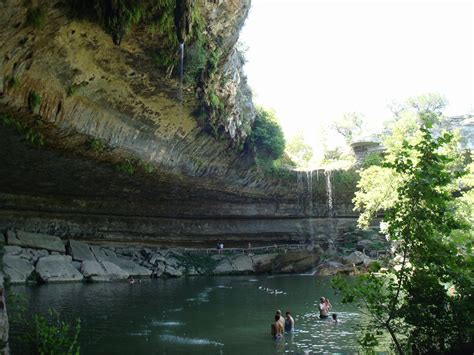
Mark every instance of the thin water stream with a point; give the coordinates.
(218, 315)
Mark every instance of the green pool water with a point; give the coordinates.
(215, 315)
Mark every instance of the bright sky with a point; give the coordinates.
(314, 60)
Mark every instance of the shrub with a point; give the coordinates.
(147, 167)
(267, 135)
(98, 145)
(43, 335)
(195, 62)
(31, 135)
(126, 166)
(372, 158)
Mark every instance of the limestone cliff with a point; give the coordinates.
(124, 157)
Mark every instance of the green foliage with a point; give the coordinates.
(72, 89)
(371, 159)
(31, 135)
(410, 299)
(44, 335)
(127, 166)
(34, 101)
(147, 167)
(195, 62)
(36, 17)
(349, 126)
(97, 145)
(300, 152)
(267, 136)
(54, 335)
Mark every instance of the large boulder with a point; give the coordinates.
(171, 271)
(242, 264)
(132, 268)
(79, 251)
(331, 268)
(35, 241)
(355, 258)
(306, 264)
(17, 269)
(103, 254)
(57, 268)
(263, 263)
(12, 249)
(224, 267)
(94, 270)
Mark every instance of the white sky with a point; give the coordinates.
(314, 60)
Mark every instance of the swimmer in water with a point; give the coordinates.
(277, 329)
(289, 323)
(281, 319)
(334, 318)
(324, 307)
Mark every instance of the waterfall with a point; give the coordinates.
(329, 193)
(300, 189)
(181, 75)
(309, 180)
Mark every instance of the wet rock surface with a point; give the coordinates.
(16, 269)
(117, 262)
(35, 240)
(57, 268)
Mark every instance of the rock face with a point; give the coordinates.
(4, 323)
(57, 268)
(35, 240)
(79, 251)
(125, 159)
(102, 271)
(111, 263)
(16, 268)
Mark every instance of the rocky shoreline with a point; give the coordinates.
(40, 258)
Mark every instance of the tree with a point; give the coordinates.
(300, 152)
(410, 299)
(267, 136)
(349, 126)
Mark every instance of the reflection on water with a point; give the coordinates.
(219, 315)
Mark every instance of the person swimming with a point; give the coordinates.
(334, 317)
(277, 329)
(289, 323)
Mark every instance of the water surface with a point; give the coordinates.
(218, 315)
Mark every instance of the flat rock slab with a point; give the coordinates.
(264, 262)
(17, 269)
(102, 271)
(12, 249)
(132, 268)
(355, 258)
(242, 264)
(79, 251)
(57, 268)
(223, 268)
(35, 241)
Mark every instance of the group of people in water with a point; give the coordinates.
(286, 324)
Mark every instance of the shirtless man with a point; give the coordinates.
(324, 307)
(277, 328)
(280, 319)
